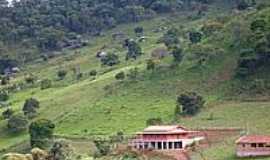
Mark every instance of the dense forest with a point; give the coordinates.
(42, 26)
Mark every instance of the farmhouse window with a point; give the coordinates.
(159, 145)
(254, 145)
(261, 145)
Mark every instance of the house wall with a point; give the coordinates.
(253, 150)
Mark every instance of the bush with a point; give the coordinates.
(195, 37)
(134, 50)
(93, 73)
(7, 113)
(45, 84)
(17, 123)
(103, 147)
(110, 59)
(170, 38)
(120, 76)
(138, 31)
(30, 79)
(189, 103)
(30, 107)
(177, 54)
(41, 131)
(151, 64)
(133, 73)
(4, 96)
(61, 74)
(154, 121)
(4, 80)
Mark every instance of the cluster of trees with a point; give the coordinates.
(51, 25)
(257, 53)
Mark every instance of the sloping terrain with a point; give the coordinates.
(103, 105)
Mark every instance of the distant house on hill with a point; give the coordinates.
(165, 138)
(253, 146)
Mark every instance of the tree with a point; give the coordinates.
(103, 147)
(195, 37)
(7, 113)
(4, 96)
(93, 73)
(61, 74)
(258, 25)
(17, 123)
(189, 103)
(45, 84)
(138, 31)
(134, 50)
(177, 55)
(154, 121)
(170, 38)
(110, 59)
(120, 76)
(30, 107)
(30, 79)
(41, 132)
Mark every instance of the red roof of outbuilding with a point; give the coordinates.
(253, 139)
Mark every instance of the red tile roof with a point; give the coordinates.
(253, 139)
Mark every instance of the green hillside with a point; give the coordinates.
(101, 105)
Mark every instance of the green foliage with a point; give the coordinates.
(103, 147)
(45, 84)
(17, 123)
(133, 73)
(258, 25)
(211, 27)
(120, 76)
(93, 73)
(190, 102)
(134, 50)
(177, 55)
(151, 64)
(154, 121)
(30, 79)
(4, 96)
(170, 38)
(7, 113)
(110, 59)
(30, 107)
(62, 74)
(41, 131)
(195, 37)
(62, 150)
(138, 31)
(4, 80)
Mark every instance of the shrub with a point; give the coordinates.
(110, 59)
(154, 121)
(30, 79)
(61, 74)
(4, 80)
(41, 131)
(177, 54)
(151, 64)
(4, 96)
(7, 113)
(133, 73)
(120, 76)
(258, 25)
(211, 27)
(190, 102)
(195, 37)
(103, 147)
(170, 38)
(134, 50)
(45, 84)
(138, 31)
(17, 123)
(93, 73)
(30, 107)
